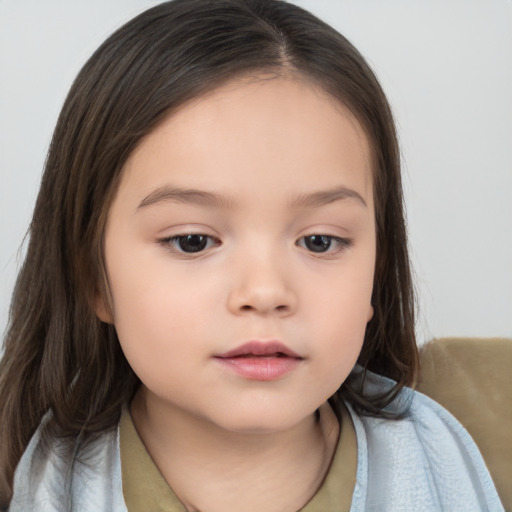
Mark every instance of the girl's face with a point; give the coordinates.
(240, 252)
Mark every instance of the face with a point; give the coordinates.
(240, 251)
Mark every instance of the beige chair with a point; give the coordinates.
(472, 378)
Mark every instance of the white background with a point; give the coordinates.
(446, 66)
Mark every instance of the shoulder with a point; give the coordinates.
(471, 378)
(426, 460)
(55, 475)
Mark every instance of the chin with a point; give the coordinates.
(262, 422)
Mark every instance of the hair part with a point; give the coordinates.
(58, 356)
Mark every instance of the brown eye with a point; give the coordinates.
(190, 243)
(324, 243)
(318, 243)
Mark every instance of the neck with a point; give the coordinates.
(211, 469)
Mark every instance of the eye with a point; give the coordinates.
(190, 243)
(324, 243)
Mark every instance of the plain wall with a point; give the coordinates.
(446, 66)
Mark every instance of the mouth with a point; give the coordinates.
(261, 349)
(262, 361)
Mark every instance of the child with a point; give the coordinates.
(216, 297)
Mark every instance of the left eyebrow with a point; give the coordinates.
(182, 195)
(323, 197)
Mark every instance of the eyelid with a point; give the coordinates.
(342, 243)
(168, 243)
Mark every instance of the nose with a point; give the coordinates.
(261, 285)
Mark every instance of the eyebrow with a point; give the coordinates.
(204, 198)
(182, 195)
(323, 197)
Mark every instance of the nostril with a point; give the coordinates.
(247, 307)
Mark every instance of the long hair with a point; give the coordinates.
(58, 356)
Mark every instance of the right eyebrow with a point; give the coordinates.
(185, 195)
(323, 197)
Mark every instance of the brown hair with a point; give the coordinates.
(58, 356)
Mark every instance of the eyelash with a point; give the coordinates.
(341, 244)
(172, 243)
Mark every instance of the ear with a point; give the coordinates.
(102, 310)
(370, 313)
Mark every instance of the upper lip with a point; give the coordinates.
(260, 348)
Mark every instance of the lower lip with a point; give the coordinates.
(260, 368)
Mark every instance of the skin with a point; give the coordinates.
(223, 441)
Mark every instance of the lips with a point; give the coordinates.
(258, 348)
(262, 361)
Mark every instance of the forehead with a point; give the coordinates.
(255, 133)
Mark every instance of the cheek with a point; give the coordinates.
(342, 297)
(343, 345)
(153, 313)
(163, 312)
(157, 334)
(341, 311)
